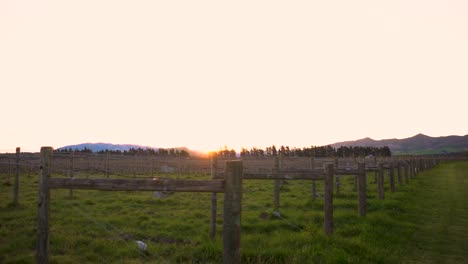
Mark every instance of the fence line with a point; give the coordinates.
(229, 182)
(231, 186)
(358, 173)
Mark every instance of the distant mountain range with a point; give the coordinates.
(96, 147)
(416, 145)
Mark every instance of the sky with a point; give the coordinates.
(209, 74)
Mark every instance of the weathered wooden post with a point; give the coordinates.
(86, 157)
(412, 169)
(421, 165)
(107, 164)
(380, 181)
(400, 181)
(355, 180)
(338, 183)
(134, 165)
(232, 211)
(314, 186)
(9, 169)
(280, 166)
(71, 173)
(418, 165)
(179, 164)
(406, 172)
(43, 207)
(362, 188)
(328, 199)
(391, 172)
(16, 189)
(276, 195)
(214, 198)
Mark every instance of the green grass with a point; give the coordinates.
(423, 222)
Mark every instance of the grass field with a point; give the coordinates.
(423, 222)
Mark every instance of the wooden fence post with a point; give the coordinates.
(88, 161)
(214, 198)
(232, 211)
(400, 181)
(107, 165)
(328, 199)
(16, 189)
(314, 186)
(362, 188)
(276, 195)
(391, 175)
(412, 169)
(338, 183)
(43, 207)
(419, 167)
(416, 167)
(355, 182)
(281, 166)
(416, 170)
(9, 169)
(134, 165)
(406, 172)
(72, 174)
(380, 181)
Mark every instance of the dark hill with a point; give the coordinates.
(418, 144)
(96, 147)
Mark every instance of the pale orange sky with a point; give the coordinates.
(205, 74)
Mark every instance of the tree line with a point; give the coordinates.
(313, 151)
(172, 152)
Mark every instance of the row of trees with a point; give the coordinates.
(226, 153)
(135, 151)
(314, 151)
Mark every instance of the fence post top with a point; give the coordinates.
(329, 167)
(47, 149)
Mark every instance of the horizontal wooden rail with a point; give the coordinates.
(318, 171)
(281, 176)
(138, 185)
(346, 171)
